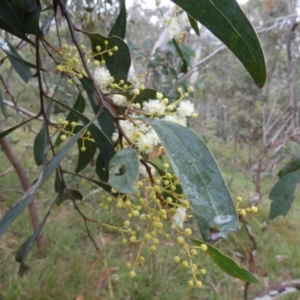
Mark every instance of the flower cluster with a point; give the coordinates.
(244, 211)
(159, 204)
(175, 24)
(67, 128)
(138, 133)
(71, 63)
(161, 211)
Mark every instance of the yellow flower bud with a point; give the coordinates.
(159, 95)
(59, 69)
(132, 274)
(190, 283)
(177, 259)
(254, 209)
(188, 231)
(153, 248)
(132, 239)
(148, 236)
(185, 263)
(243, 213)
(180, 240)
(198, 284)
(194, 252)
(203, 247)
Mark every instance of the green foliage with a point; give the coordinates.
(227, 264)
(23, 202)
(39, 147)
(21, 66)
(107, 150)
(282, 194)
(228, 22)
(67, 194)
(118, 64)
(132, 128)
(119, 28)
(25, 248)
(105, 120)
(200, 178)
(6, 132)
(15, 14)
(2, 107)
(124, 171)
(184, 66)
(194, 25)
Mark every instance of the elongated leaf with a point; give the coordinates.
(119, 63)
(6, 132)
(22, 203)
(184, 66)
(227, 21)
(39, 147)
(194, 24)
(200, 179)
(292, 166)
(2, 107)
(105, 120)
(86, 156)
(283, 194)
(102, 184)
(21, 66)
(228, 265)
(10, 21)
(27, 245)
(119, 28)
(101, 169)
(79, 105)
(102, 141)
(58, 184)
(47, 24)
(144, 95)
(31, 20)
(68, 194)
(8, 48)
(124, 171)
